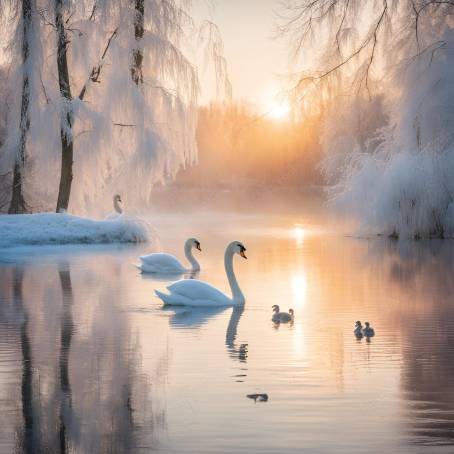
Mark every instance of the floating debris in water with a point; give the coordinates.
(258, 397)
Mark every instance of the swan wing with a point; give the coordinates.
(173, 299)
(160, 263)
(200, 293)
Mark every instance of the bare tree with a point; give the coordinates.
(17, 203)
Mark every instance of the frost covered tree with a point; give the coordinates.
(113, 103)
(388, 63)
(23, 13)
(66, 175)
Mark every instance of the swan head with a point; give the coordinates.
(238, 248)
(358, 324)
(193, 242)
(367, 324)
(117, 198)
(290, 311)
(275, 308)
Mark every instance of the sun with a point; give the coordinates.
(280, 110)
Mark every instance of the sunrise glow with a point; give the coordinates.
(280, 110)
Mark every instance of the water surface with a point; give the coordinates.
(90, 361)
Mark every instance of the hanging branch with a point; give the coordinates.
(308, 16)
(96, 71)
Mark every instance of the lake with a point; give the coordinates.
(90, 362)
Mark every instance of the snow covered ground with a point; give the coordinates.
(53, 229)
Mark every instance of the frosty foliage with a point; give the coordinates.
(400, 180)
(385, 74)
(127, 137)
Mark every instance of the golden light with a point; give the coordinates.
(298, 340)
(299, 234)
(280, 110)
(299, 288)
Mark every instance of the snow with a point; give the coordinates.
(391, 164)
(54, 229)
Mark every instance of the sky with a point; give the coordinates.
(257, 61)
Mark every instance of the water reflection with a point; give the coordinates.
(83, 370)
(88, 394)
(192, 317)
(66, 332)
(299, 288)
(196, 317)
(238, 352)
(299, 233)
(30, 441)
(426, 270)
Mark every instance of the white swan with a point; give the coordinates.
(192, 292)
(165, 263)
(282, 317)
(368, 331)
(358, 331)
(118, 210)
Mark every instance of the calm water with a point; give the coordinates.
(91, 363)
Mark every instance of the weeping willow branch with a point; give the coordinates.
(305, 18)
(96, 71)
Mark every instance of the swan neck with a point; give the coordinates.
(237, 294)
(191, 259)
(117, 207)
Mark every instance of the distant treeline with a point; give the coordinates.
(238, 147)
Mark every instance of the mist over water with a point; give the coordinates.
(91, 362)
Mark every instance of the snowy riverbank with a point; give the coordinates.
(53, 229)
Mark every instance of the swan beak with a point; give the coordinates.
(243, 254)
(198, 247)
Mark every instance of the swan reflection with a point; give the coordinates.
(196, 318)
(186, 317)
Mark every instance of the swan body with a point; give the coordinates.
(192, 292)
(368, 331)
(282, 317)
(358, 331)
(165, 263)
(118, 210)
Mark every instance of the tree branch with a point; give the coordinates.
(96, 71)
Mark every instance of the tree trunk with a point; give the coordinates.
(137, 54)
(66, 175)
(17, 203)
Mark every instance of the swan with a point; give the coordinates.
(368, 331)
(282, 317)
(118, 210)
(166, 263)
(192, 292)
(358, 331)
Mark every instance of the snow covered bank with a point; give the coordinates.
(391, 163)
(53, 228)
